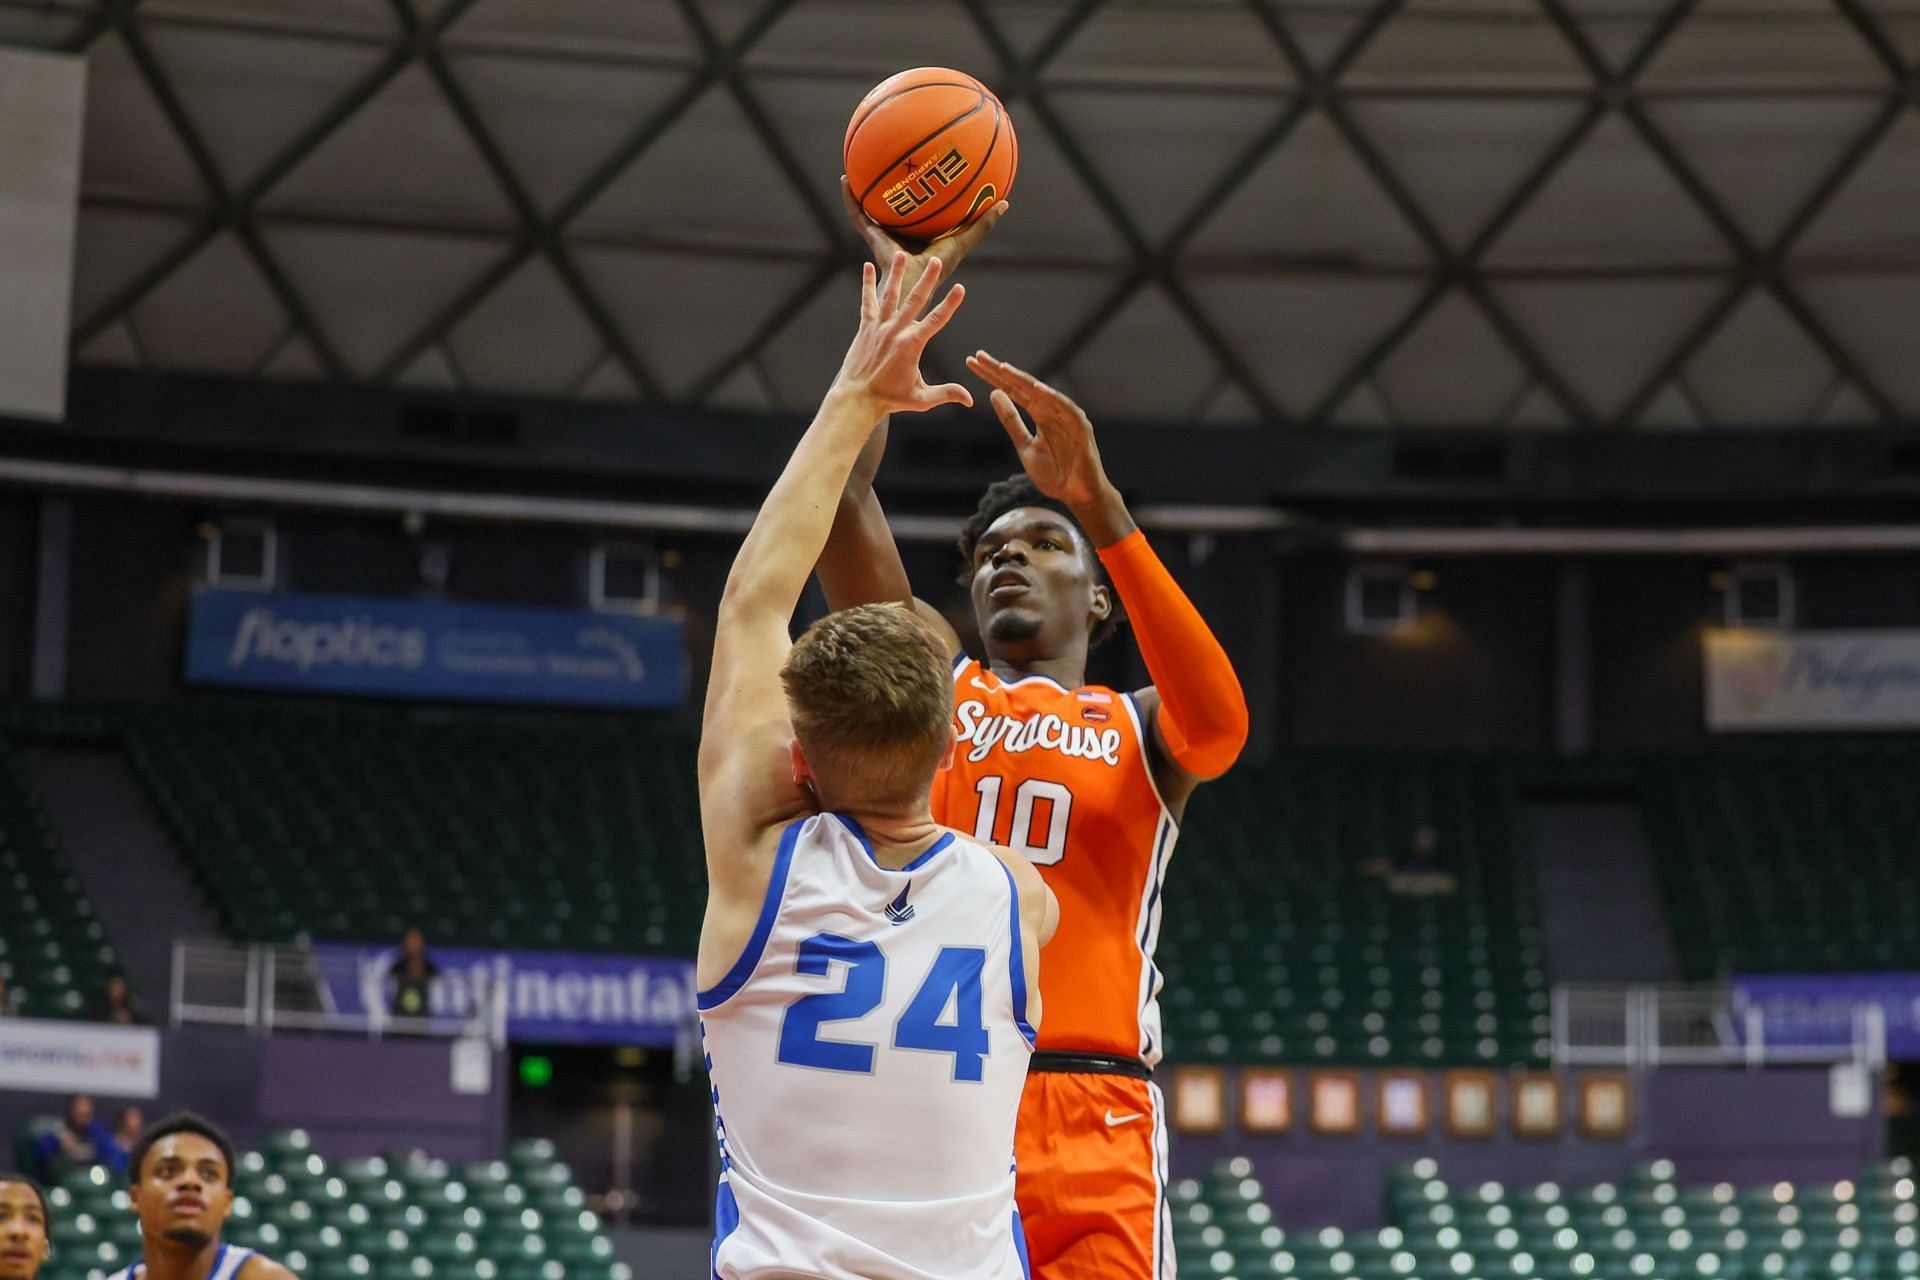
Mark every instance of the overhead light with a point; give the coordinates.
(1758, 596)
(1381, 600)
(240, 553)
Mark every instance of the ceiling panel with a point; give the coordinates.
(1300, 335)
(1312, 200)
(1146, 363)
(250, 94)
(1421, 379)
(1161, 153)
(688, 315)
(1611, 204)
(371, 291)
(402, 157)
(528, 336)
(1763, 157)
(1469, 44)
(214, 315)
(579, 31)
(1606, 337)
(1461, 158)
(1759, 369)
(710, 180)
(559, 124)
(1875, 316)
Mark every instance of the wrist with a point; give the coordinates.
(1105, 516)
(855, 404)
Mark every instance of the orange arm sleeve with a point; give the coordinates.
(1203, 712)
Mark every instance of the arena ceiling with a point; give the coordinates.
(1531, 213)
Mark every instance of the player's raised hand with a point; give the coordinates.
(883, 364)
(1058, 449)
(946, 250)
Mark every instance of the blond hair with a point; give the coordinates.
(871, 697)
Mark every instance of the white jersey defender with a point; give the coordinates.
(868, 1051)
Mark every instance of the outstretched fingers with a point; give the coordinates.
(923, 289)
(1009, 414)
(1011, 378)
(936, 319)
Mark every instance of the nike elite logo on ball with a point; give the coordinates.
(1113, 1119)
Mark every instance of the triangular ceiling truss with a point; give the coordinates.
(1533, 214)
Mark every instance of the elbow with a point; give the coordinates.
(1210, 750)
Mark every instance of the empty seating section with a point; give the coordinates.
(1646, 1227)
(53, 952)
(1284, 942)
(481, 830)
(1796, 856)
(405, 1217)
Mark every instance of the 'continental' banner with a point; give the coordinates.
(1812, 680)
(545, 997)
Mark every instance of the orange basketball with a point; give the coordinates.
(930, 150)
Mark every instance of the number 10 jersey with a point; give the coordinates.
(867, 1053)
(1061, 775)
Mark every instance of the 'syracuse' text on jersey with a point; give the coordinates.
(1062, 776)
(867, 1052)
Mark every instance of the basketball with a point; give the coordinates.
(929, 150)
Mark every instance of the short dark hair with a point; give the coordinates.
(182, 1122)
(39, 1193)
(1018, 491)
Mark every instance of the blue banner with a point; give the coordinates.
(550, 997)
(1808, 1010)
(432, 649)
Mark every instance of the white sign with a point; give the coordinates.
(472, 1065)
(40, 1056)
(1813, 680)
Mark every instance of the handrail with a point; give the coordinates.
(1675, 1025)
(268, 989)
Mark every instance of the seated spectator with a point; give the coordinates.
(1420, 874)
(411, 979)
(116, 1004)
(80, 1141)
(127, 1129)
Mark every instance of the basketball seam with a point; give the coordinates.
(999, 118)
(861, 117)
(968, 113)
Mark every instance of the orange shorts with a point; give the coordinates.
(1092, 1156)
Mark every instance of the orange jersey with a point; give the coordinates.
(1061, 775)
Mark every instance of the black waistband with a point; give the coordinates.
(1092, 1064)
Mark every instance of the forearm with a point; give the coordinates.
(791, 529)
(1203, 711)
(860, 563)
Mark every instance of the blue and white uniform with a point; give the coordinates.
(226, 1264)
(868, 1051)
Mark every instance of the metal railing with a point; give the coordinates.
(280, 988)
(1674, 1025)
